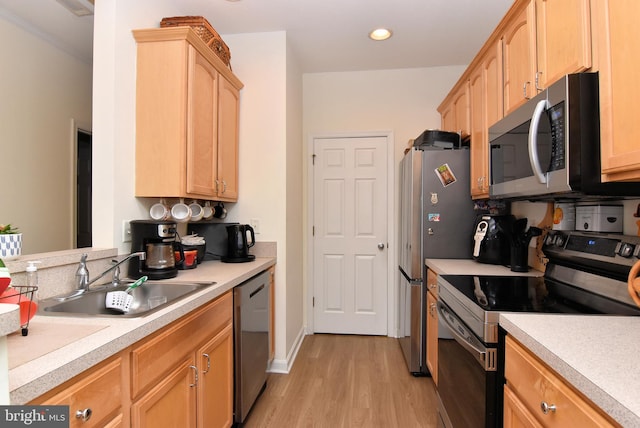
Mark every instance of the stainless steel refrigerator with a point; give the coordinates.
(436, 221)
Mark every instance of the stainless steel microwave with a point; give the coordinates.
(549, 147)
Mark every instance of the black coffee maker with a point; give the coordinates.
(158, 240)
(238, 244)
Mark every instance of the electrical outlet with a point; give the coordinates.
(255, 223)
(126, 231)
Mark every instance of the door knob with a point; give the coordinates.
(380, 246)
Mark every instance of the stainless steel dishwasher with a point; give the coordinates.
(251, 341)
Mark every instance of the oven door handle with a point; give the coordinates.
(486, 357)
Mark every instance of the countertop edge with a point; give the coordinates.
(513, 325)
(30, 380)
(472, 267)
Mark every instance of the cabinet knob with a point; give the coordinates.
(546, 408)
(85, 414)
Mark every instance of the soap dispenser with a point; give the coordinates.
(32, 278)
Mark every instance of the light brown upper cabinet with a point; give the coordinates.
(563, 39)
(187, 108)
(454, 110)
(618, 52)
(519, 50)
(485, 85)
(536, 43)
(544, 40)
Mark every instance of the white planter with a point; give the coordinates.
(10, 246)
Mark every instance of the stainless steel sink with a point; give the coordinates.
(148, 298)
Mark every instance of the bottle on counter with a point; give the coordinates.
(32, 278)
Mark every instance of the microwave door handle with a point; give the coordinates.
(533, 140)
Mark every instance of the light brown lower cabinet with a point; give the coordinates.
(432, 324)
(432, 337)
(180, 376)
(96, 398)
(536, 396)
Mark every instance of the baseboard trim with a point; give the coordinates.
(284, 366)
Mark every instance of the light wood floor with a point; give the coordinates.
(346, 381)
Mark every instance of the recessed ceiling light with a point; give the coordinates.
(380, 34)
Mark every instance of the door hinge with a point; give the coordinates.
(313, 302)
(313, 159)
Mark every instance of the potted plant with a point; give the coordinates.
(10, 242)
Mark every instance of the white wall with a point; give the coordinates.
(260, 61)
(43, 88)
(403, 101)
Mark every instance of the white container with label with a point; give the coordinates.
(599, 218)
(564, 216)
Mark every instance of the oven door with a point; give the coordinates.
(467, 376)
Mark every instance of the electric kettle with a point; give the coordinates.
(240, 238)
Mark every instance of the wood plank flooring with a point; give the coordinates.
(346, 381)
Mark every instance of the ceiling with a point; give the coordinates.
(325, 36)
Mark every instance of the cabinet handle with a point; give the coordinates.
(85, 414)
(208, 363)
(195, 372)
(224, 186)
(546, 408)
(538, 88)
(217, 185)
(432, 286)
(524, 90)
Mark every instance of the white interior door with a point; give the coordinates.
(350, 235)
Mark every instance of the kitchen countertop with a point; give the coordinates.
(471, 267)
(102, 337)
(597, 354)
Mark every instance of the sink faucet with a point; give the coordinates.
(82, 274)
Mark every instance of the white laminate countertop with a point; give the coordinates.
(597, 354)
(108, 336)
(471, 267)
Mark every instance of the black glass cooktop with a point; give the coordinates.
(533, 294)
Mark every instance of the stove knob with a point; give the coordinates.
(550, 239)
(626, 249)
(560, 239)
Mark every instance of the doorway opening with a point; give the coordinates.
(83, 188)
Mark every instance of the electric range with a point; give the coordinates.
(586, 273)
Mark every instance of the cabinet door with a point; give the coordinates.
(478, 144)
(432, 337)
(485, 85)
(98, 393)
(519, 45)
(461, 106)
(618, 53)
(202, 131)
(215, 385)
(448, 118)
(171, 403)
(515, 414)
(228, 129)
(564, 38)
(534, 383)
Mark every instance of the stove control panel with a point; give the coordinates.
(611, 248)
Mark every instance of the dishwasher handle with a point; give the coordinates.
(486, 357)
(256, 291)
